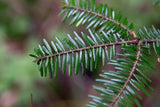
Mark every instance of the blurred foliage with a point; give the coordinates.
(157, 2)
(31, 2)
(14, 26)
(18, 75)
(141, 12)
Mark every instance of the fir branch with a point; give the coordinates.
(97, 46)
(105, 31)
(100, 16)
(130, 76)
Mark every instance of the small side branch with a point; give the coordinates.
(101, 16)
(130, 75)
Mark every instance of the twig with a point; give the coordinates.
(31, 100)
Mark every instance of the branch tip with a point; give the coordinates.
(134, 34)
(158, 59)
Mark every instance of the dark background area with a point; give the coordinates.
(23, 25)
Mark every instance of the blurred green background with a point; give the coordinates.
(23, 24)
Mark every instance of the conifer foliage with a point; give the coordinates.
(107, 30)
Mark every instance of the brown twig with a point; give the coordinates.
(31, 100)
(134, 34)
